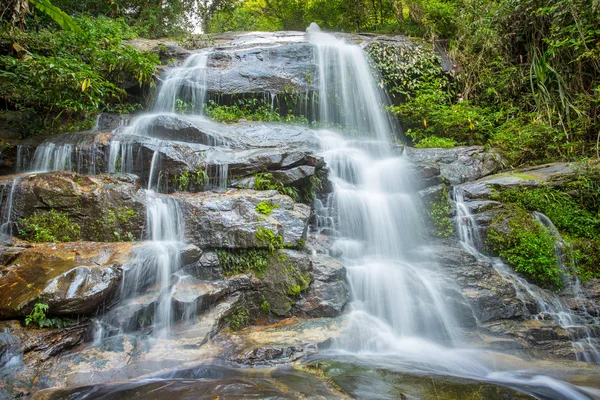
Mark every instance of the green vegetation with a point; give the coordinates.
(269, 239)
(438, 213)
(244, 261)
(239, 319)
(189, 180)
(266, 207)
(250, 109)
(39, 318)
(296, 282)
(266, 181)
(574, 211)
(51, 226)
(517, 237)
(265, 306)
(54, 81)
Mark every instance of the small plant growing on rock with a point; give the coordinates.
(269, 239)
(239, 319)
(265, 306)
(266, 181)
(266, 207)
(439, 212)
(52, 226)
(39, 318)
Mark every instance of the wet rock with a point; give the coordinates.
(205, 268)
(108, 122)
(192, 296)
(459, 164)
(72, 278)
(489, 295)
(230, 220)
(164, 48)
(105, 207)
(328, 292)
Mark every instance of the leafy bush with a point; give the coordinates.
(526, 245)
(51, 226)
(66, 76)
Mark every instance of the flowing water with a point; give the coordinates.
(403, 305)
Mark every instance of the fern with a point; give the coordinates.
(58, 15)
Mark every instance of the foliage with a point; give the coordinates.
(51, 226)
(527, 246)
(39, 318)
(239, 319)
(58, 15)
(561, 208)
(265, 306)
(438, 142)
(61, 76)
(269, 239)
(266, 207)
(404, 69)
(249, 109)
(244, 261)
(266, 181)
(309, 191)
(438, 212)
(296, 281)
(584, 255)
(188, 180)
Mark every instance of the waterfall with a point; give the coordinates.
(6, 211)
(183, 89)
(549, 305)
(375, 214)
(348, 94)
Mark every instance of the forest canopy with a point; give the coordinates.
(525, 76)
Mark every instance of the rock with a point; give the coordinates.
(108, 122)
(230, 220)
(489, 295)
(206, 268)
(164, 48)
(297, 176)
(328, 292)
(459, 164)
(105, 207)
(192, 296)
(72, 278)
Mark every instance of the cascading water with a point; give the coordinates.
(376, 216)
(6, 210)
(549, 305)
(402, 303)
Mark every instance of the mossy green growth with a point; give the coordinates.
(185, 181)
(266, 181)
(265, 306)
(269, 239)
(565, 212)
(266, 207)
(309, 191)
(244, 261)
(439, 211)
(296, 282)
(526, 245)
(239, 319)
(51, 226)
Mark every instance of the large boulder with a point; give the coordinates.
(458, 164)
(230, 219)
(71, 278)
(107, 208)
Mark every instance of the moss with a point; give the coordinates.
(51, 226)
(526, 245)
(439, 211)
(296, 281)
(189, 180)
(239, 319)
(266, 207)
(265, 306)
(309, 191)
